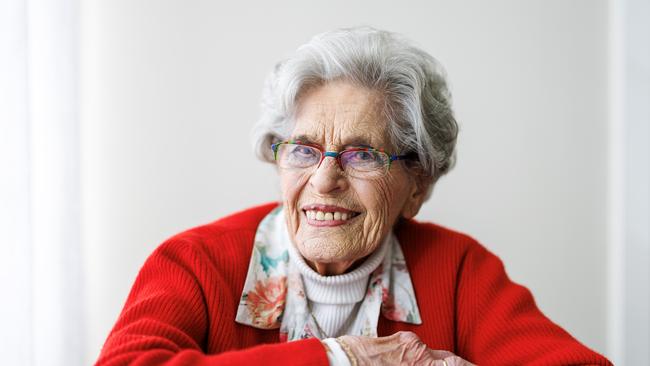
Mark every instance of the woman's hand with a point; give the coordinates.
(401, 348)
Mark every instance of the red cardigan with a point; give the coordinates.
(181, 309)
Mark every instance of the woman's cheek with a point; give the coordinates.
(382, 200)
(289, 200)
(373, 219)
(293, 186)
(290, 190)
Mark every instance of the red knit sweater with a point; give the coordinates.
(181, 309)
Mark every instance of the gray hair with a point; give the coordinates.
(417, 100)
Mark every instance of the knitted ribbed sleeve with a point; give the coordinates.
(499, 323)
(181, 308)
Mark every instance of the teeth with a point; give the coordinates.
(326, 216)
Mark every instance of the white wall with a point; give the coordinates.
(170, 91)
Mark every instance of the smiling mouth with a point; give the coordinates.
(322, 215)
(329, 216)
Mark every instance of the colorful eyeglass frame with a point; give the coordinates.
(337, 155)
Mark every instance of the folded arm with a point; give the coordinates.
(499, 323)
(165, 320)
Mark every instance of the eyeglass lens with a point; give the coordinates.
(359, 163)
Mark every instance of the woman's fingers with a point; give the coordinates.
(452, 360)
(401, 348)
(440, 355)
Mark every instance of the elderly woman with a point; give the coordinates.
(360, 125)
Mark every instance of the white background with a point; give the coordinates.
(168, 92)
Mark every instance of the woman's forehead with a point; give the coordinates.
(370, 133)
(340, 114)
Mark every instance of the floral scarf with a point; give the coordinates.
(274, 297)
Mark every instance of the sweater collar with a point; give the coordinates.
(347, 288)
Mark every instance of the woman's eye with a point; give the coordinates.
(303, 150)
(363, 156)
(304, 153)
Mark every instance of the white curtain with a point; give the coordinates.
(41, 312)
(629, 181)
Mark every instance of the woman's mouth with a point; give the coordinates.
(324, 215)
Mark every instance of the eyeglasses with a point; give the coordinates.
(358, 162)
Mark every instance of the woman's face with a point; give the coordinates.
(336, 116)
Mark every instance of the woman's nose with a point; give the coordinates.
(328, 176)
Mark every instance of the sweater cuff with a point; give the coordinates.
(335, 354)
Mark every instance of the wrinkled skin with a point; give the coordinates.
(336, 116)
(401, 348)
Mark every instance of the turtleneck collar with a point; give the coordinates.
(347, 288)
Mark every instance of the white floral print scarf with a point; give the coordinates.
(274, 297)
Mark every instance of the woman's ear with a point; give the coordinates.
(416, 197)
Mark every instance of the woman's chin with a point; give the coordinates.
(331, 268)
(313, 253)
(322, 250)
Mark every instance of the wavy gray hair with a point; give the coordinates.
(417, 100)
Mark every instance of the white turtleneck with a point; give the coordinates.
(335, 299)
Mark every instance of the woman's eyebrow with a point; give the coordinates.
(305, 139)
(357, 141)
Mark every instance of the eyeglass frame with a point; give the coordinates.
(337, 154)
